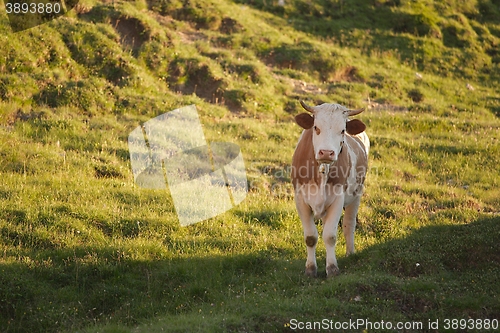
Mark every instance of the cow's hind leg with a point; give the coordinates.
(310, 235)
(349, 224)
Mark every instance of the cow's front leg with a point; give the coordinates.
(330, 228)
(310, 234)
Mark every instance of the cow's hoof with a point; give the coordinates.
(332, 271)
(311, 271)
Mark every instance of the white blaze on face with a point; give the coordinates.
(328, 131)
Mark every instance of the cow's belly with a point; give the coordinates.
(319, 199)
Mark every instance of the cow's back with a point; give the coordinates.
(363, 137)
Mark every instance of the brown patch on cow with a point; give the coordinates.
(304, 120)
(304, 165)
(311, 241)
(331, 240)
(340, 170)
(355, 126)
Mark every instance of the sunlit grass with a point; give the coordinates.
(82, 248)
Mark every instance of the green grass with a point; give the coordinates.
(83, 249)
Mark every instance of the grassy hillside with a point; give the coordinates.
(82, 248)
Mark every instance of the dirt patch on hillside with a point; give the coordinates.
(189, 76)
(375, 106)
(229, 26)
(132, 32)
(191, 36)
(349, 74)
(302, 87)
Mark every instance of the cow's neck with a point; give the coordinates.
(323, 174)
(339, 170)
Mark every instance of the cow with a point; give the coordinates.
(329, 167)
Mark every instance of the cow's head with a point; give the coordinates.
(329, 123)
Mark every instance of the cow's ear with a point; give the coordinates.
(355, 126)
(305, 120)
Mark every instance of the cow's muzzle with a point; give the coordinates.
(326, 156)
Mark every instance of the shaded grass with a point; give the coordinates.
(400, 280)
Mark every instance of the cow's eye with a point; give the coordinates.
(317, 130)
(343, 131)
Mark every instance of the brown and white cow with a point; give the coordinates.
(328, 173)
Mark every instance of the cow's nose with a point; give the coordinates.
(326, 154)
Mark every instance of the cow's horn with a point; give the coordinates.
(306, 107)
(354, 112)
